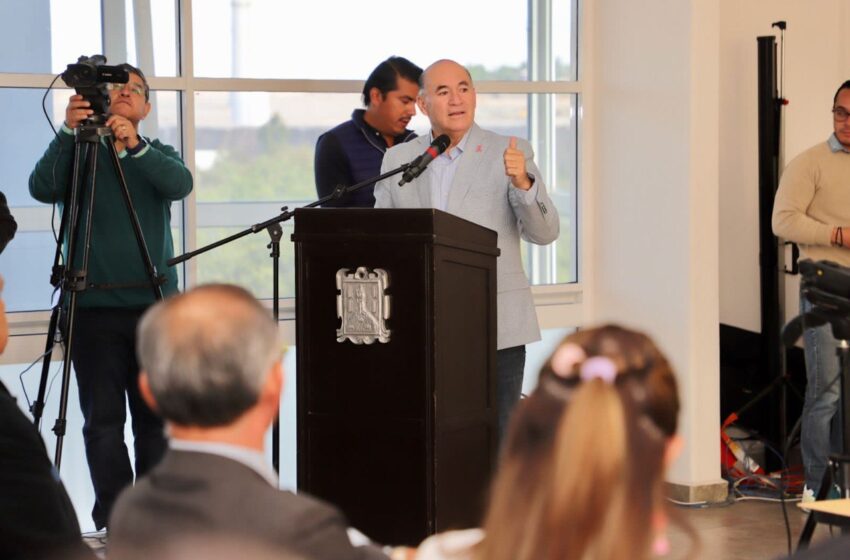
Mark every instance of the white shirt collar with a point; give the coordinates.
(251, 458)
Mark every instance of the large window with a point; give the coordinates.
(260, 82)
(242, 88)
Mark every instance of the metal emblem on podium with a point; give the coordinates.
(362, 305)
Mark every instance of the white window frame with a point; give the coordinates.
(558, 305)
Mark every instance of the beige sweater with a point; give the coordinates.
(813, 198)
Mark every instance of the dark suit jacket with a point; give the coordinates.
(37, 519)
(8, 226)
(191, 494)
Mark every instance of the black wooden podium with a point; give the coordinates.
(401, 435)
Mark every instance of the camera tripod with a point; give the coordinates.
(835, 311)
(70, 275)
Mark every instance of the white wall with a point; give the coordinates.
(653, 118)
(817, 60)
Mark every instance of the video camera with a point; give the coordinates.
(90, 76)
(826, 285)
(827, 277)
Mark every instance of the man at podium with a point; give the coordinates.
(488, 179)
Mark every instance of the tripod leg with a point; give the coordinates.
(75, 281)
(37, 407)
(134, 220)
(57, 278)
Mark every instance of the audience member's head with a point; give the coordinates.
(583, 464)
(210, 359)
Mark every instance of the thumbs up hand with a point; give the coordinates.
(515, 166)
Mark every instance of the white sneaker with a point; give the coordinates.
(807, 497)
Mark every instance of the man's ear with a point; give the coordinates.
(147, 110)
(273, 386)
(420, 102)
(145, 390)
(375, 97)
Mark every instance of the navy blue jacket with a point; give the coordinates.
(348, 154)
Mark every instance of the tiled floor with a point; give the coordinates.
(740, 531)
(745, 530)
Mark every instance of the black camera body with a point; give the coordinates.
(826, 276)
(89, 77)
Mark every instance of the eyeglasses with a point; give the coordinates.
(840, 114)
(135, 89)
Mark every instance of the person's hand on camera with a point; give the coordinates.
(124, 132)
(77, 111)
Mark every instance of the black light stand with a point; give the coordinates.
(70, 280)
(276, 232)
(770, 103)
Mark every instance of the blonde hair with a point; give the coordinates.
(582, 468)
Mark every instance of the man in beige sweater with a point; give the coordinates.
(812, 208)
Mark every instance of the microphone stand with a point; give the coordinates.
(276, 233)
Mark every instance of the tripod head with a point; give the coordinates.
(93, 129)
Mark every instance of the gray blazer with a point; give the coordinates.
(482, 193)
(195, 494)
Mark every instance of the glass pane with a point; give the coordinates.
(27, 260)
(57, 32)
(564, 190)
(552, 134)
(149, 38)
(564, 39)
(231, 38)
(254, 154)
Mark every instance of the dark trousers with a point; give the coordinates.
(104, 357)
(510, 364)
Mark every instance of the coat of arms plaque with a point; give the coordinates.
(362, 305)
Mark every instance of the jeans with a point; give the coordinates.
(821, 431)
(510, 364)
(104, 356)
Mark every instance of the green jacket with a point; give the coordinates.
(155, 177)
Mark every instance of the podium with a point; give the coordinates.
(401, 434)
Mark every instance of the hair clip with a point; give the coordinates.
(565, 359)
(598, 367)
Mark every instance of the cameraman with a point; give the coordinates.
(118, 289)
(813, 210)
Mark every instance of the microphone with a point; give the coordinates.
(417, 166)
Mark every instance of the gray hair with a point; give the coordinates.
(207, 354)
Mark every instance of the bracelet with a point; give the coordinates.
(838, 237)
